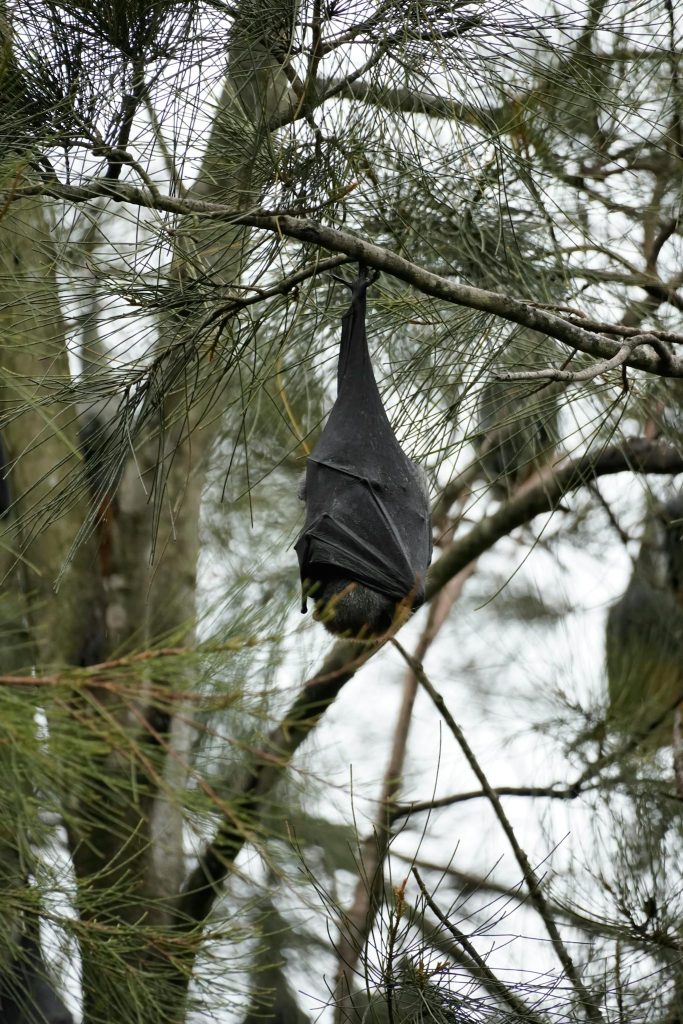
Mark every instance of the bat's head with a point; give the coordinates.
(347, 608)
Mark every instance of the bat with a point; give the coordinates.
(644, 632)
(367, 536)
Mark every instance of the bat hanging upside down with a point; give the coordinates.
(367, 539)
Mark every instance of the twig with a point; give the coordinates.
(396, 913)
(620, 330)
(493, 983)
(237, 302)
(119, 157)
(663, 235)
(440, 940)
(173, 174)
(532, 881)
(535, 792)
(590, 372)
(469, 883)
(607, 508)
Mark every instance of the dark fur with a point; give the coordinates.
(644, 632)
(359, 611)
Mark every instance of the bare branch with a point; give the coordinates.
(588, 373)
(555, 792)
(531, 879)
(663, 235)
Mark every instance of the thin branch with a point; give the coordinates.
(493, 983)
(619, 330)
(174, 175)
(649, 283)
(345, 84)
(575, 376)
(129, 105)
(536, 792)
(119, 157)
(469, 883)
(438, 939)
(351, 35)
(531, 879)
(662, 236)
(287, 284)
(609, 512)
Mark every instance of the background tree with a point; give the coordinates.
(179, 185)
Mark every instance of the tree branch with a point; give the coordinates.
(637, 455)
(307, 230)
(397, 99)
(548, 792)
(589, 372)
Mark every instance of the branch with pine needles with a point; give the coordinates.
(307, 230)
(480, 968)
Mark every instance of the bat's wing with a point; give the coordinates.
(352, 532)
